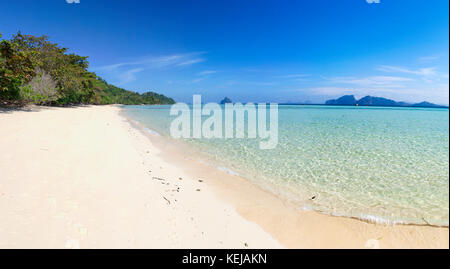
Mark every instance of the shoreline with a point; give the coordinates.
(87, 178)
(232, 188)
(84, 178)
(213, 164)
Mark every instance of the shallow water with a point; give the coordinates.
(380, 164)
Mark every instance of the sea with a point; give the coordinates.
(379, 164)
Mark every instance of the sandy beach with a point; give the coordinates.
(86, 177)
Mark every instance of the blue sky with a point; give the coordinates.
(282, 51)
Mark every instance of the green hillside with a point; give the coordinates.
(35, 71)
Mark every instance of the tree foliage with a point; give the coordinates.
(34, 70)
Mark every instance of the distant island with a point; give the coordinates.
(35, 71)
(350, 100)
(226, 100)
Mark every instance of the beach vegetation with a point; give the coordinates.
(37, 71)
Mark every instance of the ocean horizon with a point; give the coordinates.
(379, 164)
(228, 125)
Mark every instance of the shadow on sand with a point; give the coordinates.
(35, 108)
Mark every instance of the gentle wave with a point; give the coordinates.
(381, 165)
(150, 131)
(227, 170)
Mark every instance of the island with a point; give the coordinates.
(226, 100)
(350, 100)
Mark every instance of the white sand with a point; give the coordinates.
(85, 178)
(80, 177)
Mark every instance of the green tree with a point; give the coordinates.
(16, 69)
(35, 70)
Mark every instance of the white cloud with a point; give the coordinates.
(293, 76)
(129, 76)
(373, 81)
(429, 71)
(429, 58)
(207, 72)
(331, 91)
(203, 75)
(126, 71)
(196, 80)
(191, 62)
(157, 61)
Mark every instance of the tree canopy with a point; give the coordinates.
(34, 70)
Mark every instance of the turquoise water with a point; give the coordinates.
(387, 165)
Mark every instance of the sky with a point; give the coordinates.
(252, 50)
